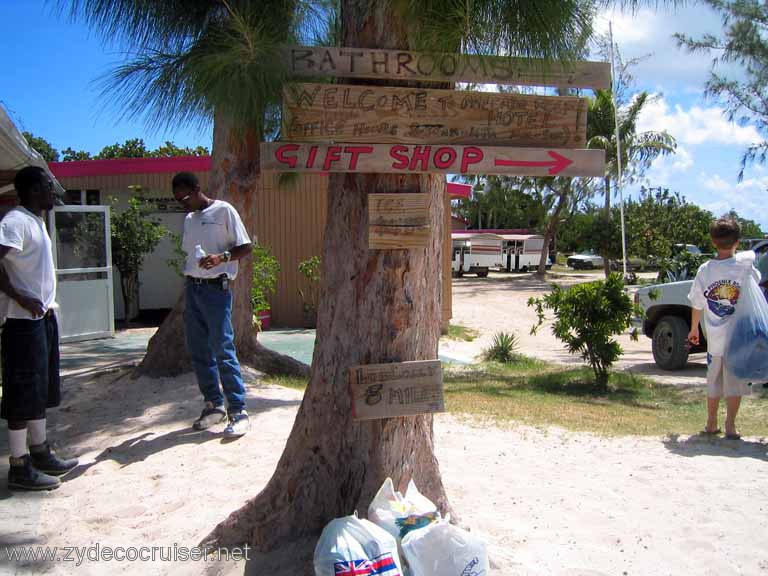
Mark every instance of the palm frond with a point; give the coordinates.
(222, 55)
(153, 86)
(634, 5)
(161, 24)
(600, 143)
(549, 29)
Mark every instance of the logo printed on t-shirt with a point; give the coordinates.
(722, 297)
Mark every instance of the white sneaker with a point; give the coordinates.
(210, 416)
(238, 425)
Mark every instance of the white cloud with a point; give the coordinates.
(664, 168)
(715, 183)
(695, 125)
(627, 28)
(746, 197)
(651, 33)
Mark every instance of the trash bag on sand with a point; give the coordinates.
(442, 549)
(399, 514)
(351, 546)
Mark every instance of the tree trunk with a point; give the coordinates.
(235, 177)
(606, 262)
(552, 225)
(375, 306)
(133, 304)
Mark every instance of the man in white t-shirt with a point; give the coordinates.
(30, 338)
(214, 240)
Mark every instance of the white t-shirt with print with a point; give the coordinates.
(28, 263)
(216, 229)
(716, 290)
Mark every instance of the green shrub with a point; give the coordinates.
(587, 316)
(310, 269)
(503, 349)
(682, 266)
(265, 271)
(179, 258)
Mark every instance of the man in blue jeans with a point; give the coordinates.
(214, 240)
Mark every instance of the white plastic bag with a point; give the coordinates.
(746, 352)
(399, 514)
(351, 546)
(442, 549)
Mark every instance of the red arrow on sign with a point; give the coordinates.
(556, 165)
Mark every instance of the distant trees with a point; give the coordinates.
(655, 222)
(48, 152)
(131, 148)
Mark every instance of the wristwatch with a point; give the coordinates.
(227, 256)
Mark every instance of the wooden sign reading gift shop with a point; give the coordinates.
(397, 389)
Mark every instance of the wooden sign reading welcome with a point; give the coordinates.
(333, 112)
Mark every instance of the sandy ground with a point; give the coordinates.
(549, 502)
(500, 303)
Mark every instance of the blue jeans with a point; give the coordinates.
(211, 343)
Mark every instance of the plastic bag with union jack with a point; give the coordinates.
(353, 547)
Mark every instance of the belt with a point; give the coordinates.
(219, 280)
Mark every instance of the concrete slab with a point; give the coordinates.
(129, 346)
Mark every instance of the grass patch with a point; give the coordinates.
(459, 332)
(541, 394)
(538, 393)
(292, 382)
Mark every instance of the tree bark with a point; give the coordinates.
(552, 225)
(235, 177)
(606, 261)
(375, 306)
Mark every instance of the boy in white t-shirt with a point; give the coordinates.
(714, 297)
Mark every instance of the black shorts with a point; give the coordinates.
(30, 356)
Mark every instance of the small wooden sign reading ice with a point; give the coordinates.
(397, 389)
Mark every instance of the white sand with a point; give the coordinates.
(549, 502)
(500, 303)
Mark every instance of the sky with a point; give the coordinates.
(49, 85)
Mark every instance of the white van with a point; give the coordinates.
(522, 252)
(476, 253)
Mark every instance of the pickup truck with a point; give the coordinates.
(667, 320)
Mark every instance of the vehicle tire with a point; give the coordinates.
(482, 274)
(669, 343)
(524, 269)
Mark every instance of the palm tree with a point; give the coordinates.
(376, 306)
(504, 202)
(193, 62)
(638, 150)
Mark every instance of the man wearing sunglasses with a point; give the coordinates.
(214, 240)
(30, 338)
